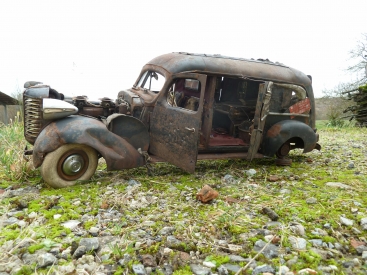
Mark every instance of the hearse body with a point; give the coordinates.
(182, 108)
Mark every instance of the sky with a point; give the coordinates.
(98, 48)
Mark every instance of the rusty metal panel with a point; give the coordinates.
(130, 129)
(117, 152)
(262, 108)
(174, 131)
(301, 107)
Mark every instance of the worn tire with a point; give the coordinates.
(283, 162)
(68, 164)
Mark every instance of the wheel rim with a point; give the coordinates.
(72, 165)
(283, 150)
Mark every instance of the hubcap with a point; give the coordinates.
(73, 165)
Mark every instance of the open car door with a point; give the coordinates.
(174, 130)
(261, 112)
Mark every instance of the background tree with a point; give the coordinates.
(359, 54)
(339, 98)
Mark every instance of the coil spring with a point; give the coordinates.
(32, 118)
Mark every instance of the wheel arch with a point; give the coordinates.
(118, 153)
(289, 131)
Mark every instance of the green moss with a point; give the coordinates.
(183, 271)
(33, 248)
(217, 259)
(89, 224)
(25, 270)
(311, 258)
(328, 239)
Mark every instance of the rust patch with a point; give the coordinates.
(274, 131)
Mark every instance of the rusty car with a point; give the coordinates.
(182, 108)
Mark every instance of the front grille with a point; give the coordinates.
(32, 118)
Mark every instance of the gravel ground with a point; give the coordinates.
(310, 218)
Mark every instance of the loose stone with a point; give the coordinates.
(346, 221)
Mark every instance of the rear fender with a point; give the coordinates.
(285, 130)
(117, 152)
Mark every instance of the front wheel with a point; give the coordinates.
(69, 164)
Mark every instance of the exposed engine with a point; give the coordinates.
(42, 104)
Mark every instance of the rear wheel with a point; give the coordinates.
(282, 153)
(68, 164)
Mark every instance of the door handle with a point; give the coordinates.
(190, 129)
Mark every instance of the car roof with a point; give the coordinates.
(261, 69)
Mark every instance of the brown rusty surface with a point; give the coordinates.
(207, 194)
(274, 131)
(264, 70)
(174, 131)
(117, 152)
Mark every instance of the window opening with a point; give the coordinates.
(185, 93)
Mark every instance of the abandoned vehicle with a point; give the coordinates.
(182, 108)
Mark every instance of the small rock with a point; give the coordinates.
(298, 229)
(283, 269)
(285, 191)
(94, 231)
(199, 269)
(346, 221)
(364, 255)
(22, 224)
(356, 231)
(66, 269)
(297, 243)
(236, 258)
(10, 221)
(57, 216)
(166, 230)
(232, 268)
(273, 178)
(222, 270)
(327, 225)
(133, 182)
(209, 264)
(270, 213)
(228, 179)
(71, 224)
(262, 269)
(316, 242)
(139, 269)
(167, 251)
(90, 243)
(338, 184)
(360, 249)
(251, 172)
(149, 260)
(167, 269)
(32, 215)
(307, 271)
(234, 248)
(351, 165)
(172, 241)
(80, 251)
(271, 251)
(356, 262)
(46, 259)
(348, 264)
(311, 200)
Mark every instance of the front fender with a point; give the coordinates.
(285, 130)
(117, 152)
